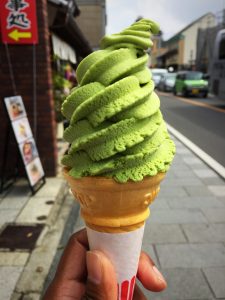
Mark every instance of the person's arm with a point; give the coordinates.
(90, 274)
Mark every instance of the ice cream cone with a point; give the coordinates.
(109, 206)
(117, 129)
(115, 215)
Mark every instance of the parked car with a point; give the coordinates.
(157, 74)
(191, 83)
(167, 82)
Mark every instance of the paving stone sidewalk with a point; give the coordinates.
(185, 233)
(23, 272)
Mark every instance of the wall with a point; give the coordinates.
(92, 21)
(21, 57)
(181, 52)
(190, 36)
(155, 51)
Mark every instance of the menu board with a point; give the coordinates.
(24, 138)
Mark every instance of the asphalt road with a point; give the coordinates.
(201, 120)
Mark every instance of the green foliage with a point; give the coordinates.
(60, 85)
(59, 82)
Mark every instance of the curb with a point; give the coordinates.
(211, 162)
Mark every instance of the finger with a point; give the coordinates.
(149, 275)
(82, 238)
(70, 277)
(102, 283)
(65, 290)
(73, 261)
(138, 294)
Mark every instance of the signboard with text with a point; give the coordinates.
(18, 21)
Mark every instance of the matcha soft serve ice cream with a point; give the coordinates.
(116, 128)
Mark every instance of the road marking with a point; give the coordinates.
(211, 162)
(196, 103)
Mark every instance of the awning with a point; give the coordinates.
(63, 50)
(167, 53)
(62, 23)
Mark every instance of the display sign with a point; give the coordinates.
(18, 21)
(25, 140)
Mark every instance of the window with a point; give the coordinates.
(222, 47)
(194, 76)
(181, 76)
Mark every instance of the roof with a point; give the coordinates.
(67, 5)
(168, 52)
(179, 34)
(64, 26)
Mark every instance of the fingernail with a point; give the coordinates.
(94, 267)
(158, 274)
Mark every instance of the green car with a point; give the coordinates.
(191, 83)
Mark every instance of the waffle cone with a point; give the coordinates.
(109, 206)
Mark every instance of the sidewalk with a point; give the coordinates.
(23, 271)
(214, 100)
(185, 234)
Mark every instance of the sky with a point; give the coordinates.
(172, 15)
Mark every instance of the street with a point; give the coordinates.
(201, 120)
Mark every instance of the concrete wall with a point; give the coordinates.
(92, 21)
(181, 52)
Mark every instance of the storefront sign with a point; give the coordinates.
(18, 21)
(25, 140)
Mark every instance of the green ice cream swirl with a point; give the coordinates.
(116, 128)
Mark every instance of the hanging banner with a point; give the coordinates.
(25, 140)
(18, 21)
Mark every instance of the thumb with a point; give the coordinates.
(101, 282)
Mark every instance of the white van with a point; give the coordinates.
(157, 74)
(217, 70)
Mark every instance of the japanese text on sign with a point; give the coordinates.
(18, 21)
(17, 17)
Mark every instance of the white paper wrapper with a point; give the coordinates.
(123, 249)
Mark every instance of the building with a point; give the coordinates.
(206, 42)
(92, 20)
(68, 39)
(156, 52)
(205, 48)
(180, 51)
(27, 70)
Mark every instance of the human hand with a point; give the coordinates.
(84, 274)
